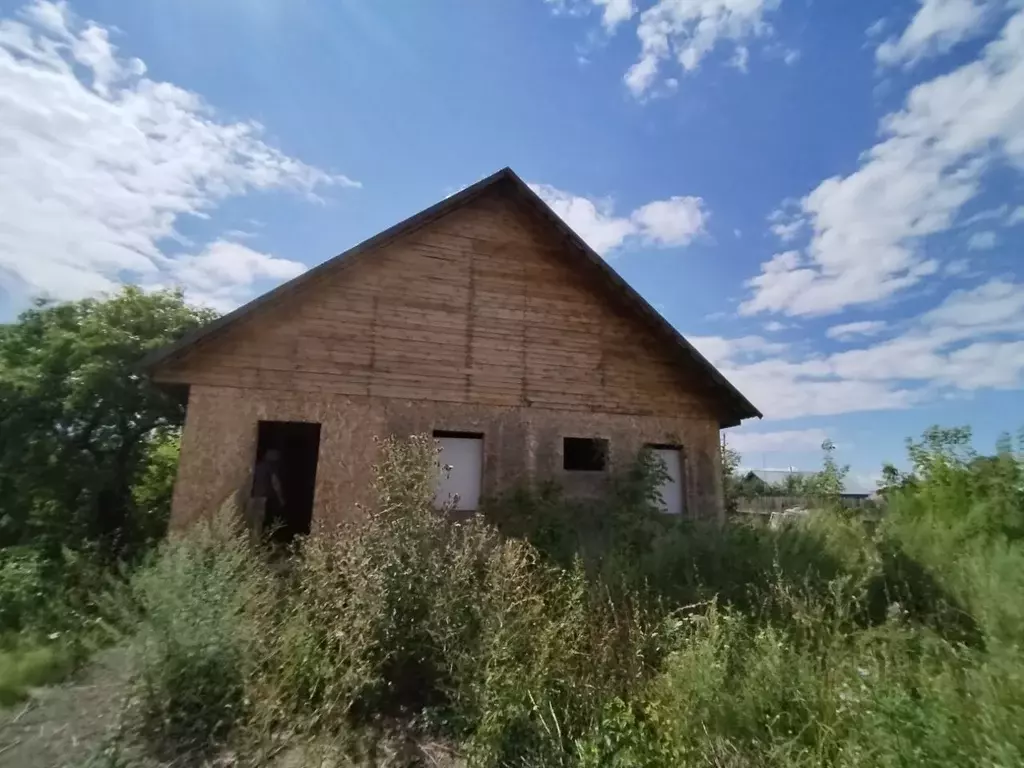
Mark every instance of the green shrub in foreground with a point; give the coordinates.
(31, 665)
(822, 643)
(402, 614)
(201, 597)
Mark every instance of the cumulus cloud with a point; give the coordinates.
(688, 30)
(937, 26)
(974, 339)
(223, 274)
(675, 221)
(787, 222)
(613, 12)
(868, 228)
(666, 223)
(100, 163)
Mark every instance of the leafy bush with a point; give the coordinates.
(154, 487)
(201, 597)
(22, 587)
(27, 665)
(53, 614)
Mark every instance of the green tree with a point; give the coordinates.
(828, 484)
(794, 485)
(730, 479)
(78, 421)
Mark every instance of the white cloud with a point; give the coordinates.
(1016, 217)
(672, 222)
(868, 228)
(740, 58)
(223, 275)
(789, 230)
(791, 56)
(956, 267)
(774, 326)
(721, 350)
(995, 306)
(848, 331)
(876, 28)
(982, 241)
(989, 214)
(785, 389)
(688, 30)
(970, 341)
(593, 220)
(100, 163)
(613, 12)
(785, 441)
(937, 26)
(787, 221)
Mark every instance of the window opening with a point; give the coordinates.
(672, 491)
(460, 470)
(584, 454)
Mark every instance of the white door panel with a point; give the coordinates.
(465, 457)
(672, 490)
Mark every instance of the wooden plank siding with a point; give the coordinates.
(520, 443)
(478, 307)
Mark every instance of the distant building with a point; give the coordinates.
(778, 478)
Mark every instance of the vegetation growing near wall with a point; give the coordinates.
(638, 640)
(88, 450)
(546, 632)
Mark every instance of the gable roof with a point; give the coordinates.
(740, 407)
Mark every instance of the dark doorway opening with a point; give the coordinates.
(296, 448)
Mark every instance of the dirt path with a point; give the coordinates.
(66, 725)
(71, 725)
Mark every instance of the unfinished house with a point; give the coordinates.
(483, 320)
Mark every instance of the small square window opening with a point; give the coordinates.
(584, 454)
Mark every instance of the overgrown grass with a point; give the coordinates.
(54, 612)
(35, 664)
(549, 633)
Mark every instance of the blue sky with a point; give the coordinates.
(826, 198)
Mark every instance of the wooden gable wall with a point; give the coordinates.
(481, 306)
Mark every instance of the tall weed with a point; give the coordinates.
(555, 632)
(202, 597)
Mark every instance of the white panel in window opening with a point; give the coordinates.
(460, 475)
(673, 490)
